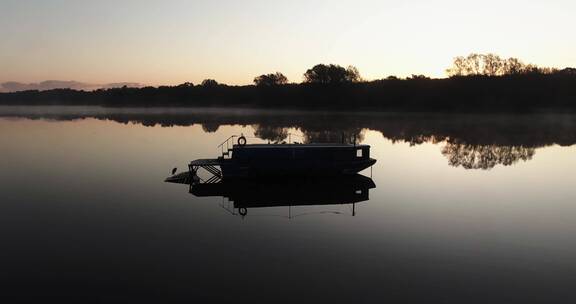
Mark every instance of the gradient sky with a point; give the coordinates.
(170, 42)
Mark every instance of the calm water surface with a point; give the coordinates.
(466, 209)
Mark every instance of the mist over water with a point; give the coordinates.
(466, 209)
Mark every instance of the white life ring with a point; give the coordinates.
(241, 141)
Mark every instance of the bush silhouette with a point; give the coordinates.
(209, 83)
(331, 74)
(269, 80)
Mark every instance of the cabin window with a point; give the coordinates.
(359, 153)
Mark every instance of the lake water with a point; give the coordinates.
(466, 209)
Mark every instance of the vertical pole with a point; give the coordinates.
(353, 209)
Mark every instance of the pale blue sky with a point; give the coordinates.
(170, 42)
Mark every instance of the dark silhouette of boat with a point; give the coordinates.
(284, 160)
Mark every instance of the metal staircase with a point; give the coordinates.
(212, 165)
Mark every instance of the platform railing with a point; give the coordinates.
(290, 136)
(297, 135)
(227, 143)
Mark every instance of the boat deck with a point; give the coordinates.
(206, 162)
(300, 146)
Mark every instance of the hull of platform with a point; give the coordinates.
(294, 168)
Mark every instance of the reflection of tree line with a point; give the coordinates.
(485, 157)
(280, 135)
(470, 141)
(459, 154)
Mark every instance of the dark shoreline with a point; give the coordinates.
(479, 94)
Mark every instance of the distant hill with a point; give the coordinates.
(13, 86)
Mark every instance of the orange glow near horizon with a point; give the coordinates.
(170, 43)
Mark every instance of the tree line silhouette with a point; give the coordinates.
(493, 65)
(477, 82)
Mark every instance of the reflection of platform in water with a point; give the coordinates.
(257, 193)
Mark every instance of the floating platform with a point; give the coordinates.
(286, 160)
